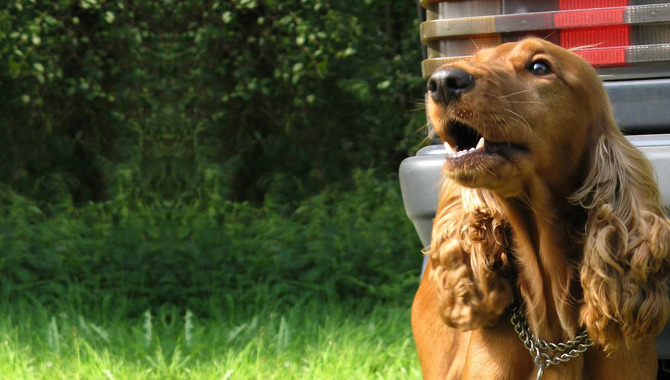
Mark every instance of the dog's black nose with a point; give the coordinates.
(447, 85)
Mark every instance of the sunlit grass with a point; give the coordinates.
(314, 340)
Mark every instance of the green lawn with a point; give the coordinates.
(314, 340)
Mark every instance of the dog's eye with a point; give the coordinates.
(539, 68)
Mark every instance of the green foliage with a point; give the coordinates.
(333, 246)
(188, 99)
(166, 150)
(60, 63)
(312, 89)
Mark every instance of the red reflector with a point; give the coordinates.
(585, 4)
(604, 57)
(608, 36)
(589, 18)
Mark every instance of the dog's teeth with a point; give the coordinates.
(480, 144)
(448, 147)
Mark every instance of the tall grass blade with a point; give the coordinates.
(53, 338)
(188, 327)
(283, 336)
(147, 327)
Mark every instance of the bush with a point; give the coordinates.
(312, 89)
(169, 149)
(336, 245)
(357, 243)
(168, 100)
(66, 73)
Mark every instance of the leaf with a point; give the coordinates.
(227, 17)
(109, 17)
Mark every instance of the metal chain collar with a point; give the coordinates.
(536, 345)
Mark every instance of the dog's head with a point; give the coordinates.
(515, 112)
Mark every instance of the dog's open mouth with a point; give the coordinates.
(464, 140)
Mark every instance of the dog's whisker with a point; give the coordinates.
(501, 123)
(521, 119)
(524, 102)
(512, 94)
(475, 43)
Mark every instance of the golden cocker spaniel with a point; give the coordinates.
(548, 217)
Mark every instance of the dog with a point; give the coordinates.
(549, 255)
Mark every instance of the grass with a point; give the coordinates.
(315, 339)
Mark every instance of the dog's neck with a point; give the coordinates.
(544, 227)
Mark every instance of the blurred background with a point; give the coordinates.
(218, 161)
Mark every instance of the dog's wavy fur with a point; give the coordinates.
(583, 245)
(471, 265)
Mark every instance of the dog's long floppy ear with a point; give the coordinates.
(627, 247)
(468, 252)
